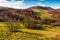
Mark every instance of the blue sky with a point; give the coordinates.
(22, 4)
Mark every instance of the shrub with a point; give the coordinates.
(13, 27)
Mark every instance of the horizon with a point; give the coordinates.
(23, 4)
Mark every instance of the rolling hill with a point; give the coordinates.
(33, 14)
(35, 23)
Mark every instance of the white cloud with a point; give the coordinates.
(41, 4)
(19, 4)
(13, 4)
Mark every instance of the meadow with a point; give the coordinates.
(17, 31)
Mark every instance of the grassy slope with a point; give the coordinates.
(43, 13)
(28, 34)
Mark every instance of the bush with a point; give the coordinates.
(13, 27)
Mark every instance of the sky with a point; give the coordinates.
(22, 4)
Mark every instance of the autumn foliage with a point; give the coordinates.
(34, 17)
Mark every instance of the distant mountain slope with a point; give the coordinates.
(41, 7)
(33, 14)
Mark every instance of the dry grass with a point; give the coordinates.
(28, 34)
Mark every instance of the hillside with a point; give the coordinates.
(36, 14)
(35, 23)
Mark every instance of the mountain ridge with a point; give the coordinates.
(42, 7)
(14, 15)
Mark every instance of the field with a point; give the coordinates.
(22, 33)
